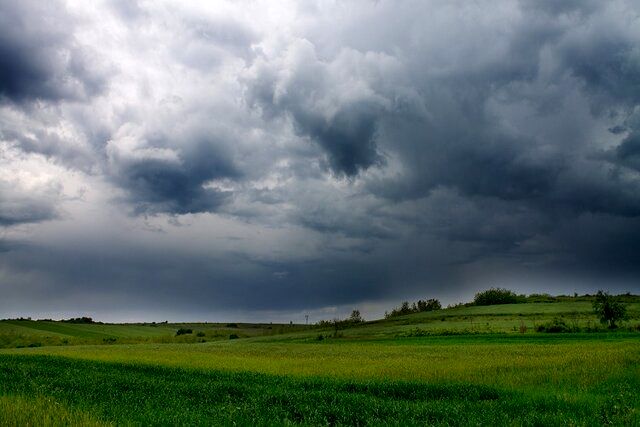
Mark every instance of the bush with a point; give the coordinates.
(233, 337)
(522, 328)
(232, 325)
(184, 331)
(200, 334)
(555, 326)
(495, 296)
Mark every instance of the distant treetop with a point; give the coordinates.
(497, 296)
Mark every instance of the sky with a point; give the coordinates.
(264, 160)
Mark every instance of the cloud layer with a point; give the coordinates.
(190, 157)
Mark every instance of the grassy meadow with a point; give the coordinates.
(468, 365)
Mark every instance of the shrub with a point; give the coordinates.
(555, 326)
(233, 337)
(496, 296)
(200, 334)
(232, 325)
(523, 328)
(184, 331)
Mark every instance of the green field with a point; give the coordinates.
(29, 333)
(472, 368)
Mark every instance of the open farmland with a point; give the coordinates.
(30, 333)
(464, 320)
(373, 373)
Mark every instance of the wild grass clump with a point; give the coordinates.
(41, 411)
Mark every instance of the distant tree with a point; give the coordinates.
(495, 296)
(79, 320)
(356, 317)
(608, 309)
(416, 307)
(430, 305)
(404, 308)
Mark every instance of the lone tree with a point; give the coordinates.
(608, 309)
(355, 317)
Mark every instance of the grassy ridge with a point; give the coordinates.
(121, 394)
(508, 318)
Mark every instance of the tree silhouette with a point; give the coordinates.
(608, 309)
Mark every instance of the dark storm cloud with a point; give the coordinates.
(38, 57)
(608, 63)
(193, 283)
(163, 180)
(49, 144)
(628, 152)
(340, 116)
(335, 155)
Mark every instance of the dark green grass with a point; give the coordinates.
(143, 394)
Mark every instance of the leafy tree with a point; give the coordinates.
(429, 305)
(405, 308)
(416, 307)
(608, 309)
(356, 317)
(495, 296)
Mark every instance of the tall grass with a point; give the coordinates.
(142, 394)
(42, 411)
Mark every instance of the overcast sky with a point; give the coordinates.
(262, 160)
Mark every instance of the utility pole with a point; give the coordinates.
(306, 319)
